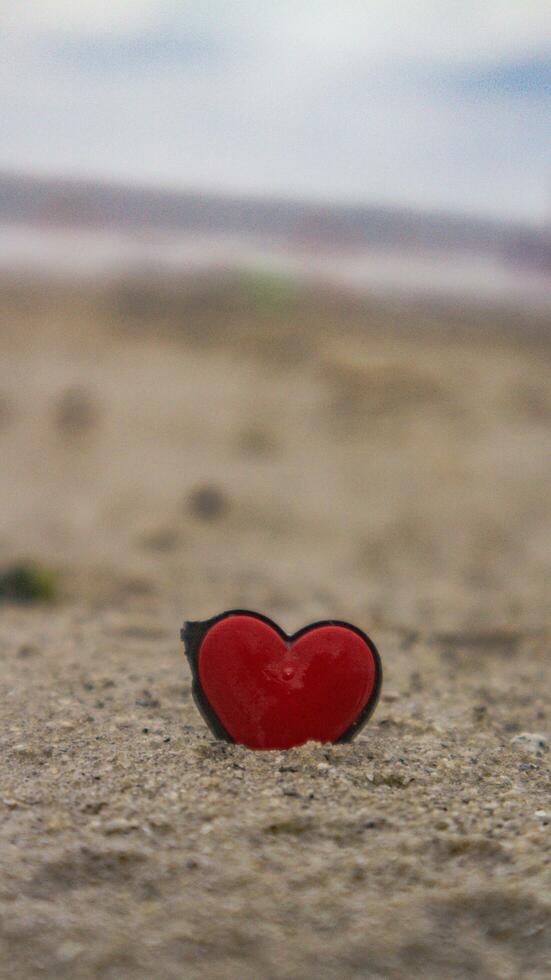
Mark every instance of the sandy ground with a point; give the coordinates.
(384, 467)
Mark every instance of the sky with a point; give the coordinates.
(431, 104)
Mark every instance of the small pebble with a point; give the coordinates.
(531, 742)
(391, 696)
(118, 825)
(76, 411)
(208, 502)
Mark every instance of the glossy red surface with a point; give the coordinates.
(273, 694)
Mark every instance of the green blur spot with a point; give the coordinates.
(27, 583)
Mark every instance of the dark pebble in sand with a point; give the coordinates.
(27, 650)
(208, 502)
(147, 700)
(76, 411)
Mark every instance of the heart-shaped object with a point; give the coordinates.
(256, 686)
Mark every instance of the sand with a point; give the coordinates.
(310, 460)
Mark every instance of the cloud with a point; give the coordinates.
(442, 29)
(529, 77)
(137, 51)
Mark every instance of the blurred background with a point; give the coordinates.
(275, 293)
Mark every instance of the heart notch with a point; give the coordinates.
(256, 686)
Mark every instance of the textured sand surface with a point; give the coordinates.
(384, 468)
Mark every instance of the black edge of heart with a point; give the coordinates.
(193, 634)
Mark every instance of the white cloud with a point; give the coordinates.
(440, 29)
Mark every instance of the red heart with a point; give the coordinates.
(263, 689)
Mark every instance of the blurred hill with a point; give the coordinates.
(87, 204)
(358, 247)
